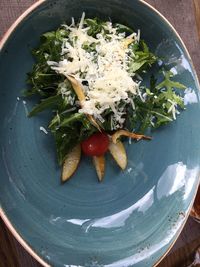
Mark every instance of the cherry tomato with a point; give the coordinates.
(96, 145)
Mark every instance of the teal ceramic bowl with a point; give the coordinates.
(133, 217)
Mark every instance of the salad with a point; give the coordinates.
(90, 75)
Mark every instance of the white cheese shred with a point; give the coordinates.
(105, 68)
(42, 129)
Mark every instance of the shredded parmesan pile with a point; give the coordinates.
(102, 71)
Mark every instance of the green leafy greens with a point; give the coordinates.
(151, 107)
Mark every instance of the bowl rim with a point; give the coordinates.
(3, 215)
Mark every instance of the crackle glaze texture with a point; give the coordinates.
(132, 217)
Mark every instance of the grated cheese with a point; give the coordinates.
(42, 129)
(173, 108)
(105, 69)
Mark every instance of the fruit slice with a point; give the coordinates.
(126, 42)
(71, 163)
(77, 88)
(118, 152)
(81, 97)
(99, 163)
(120, 133)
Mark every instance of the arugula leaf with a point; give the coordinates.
(89, 47)
(65, 141)
(71, 119)
(169, 84)
(142, 58)
(46, 103)
(95, 26)
(157, 109)
(42, 78)
(122, 28)
(69, 131)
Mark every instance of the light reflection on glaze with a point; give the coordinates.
(117, 219)
(190, 97)
(19, 189)
(14, 112)
(171, 180)
(78, 221)
(25, 108)
(176, 177)
(134, 170)
(190, 181)
(184, 63)
(180, 65)
(163, 48)
(112, 221)
(149, 251)
(45, 254)
(59, 221)
(177, 58)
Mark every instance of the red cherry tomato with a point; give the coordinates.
(96, 145)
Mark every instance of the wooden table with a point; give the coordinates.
(185, 17)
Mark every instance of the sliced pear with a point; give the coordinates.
(118, 152)
(126, 42)
(71, 163)
(77, 88)
(81, 97)
(92, 120)
(99, 163)
(120, 133)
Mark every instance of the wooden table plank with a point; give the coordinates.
(12, 254)
(181, 13)
(197, 15)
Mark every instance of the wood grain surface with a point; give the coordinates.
(184, 15)
(197, 15)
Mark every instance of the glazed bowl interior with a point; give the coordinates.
(133, 216)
